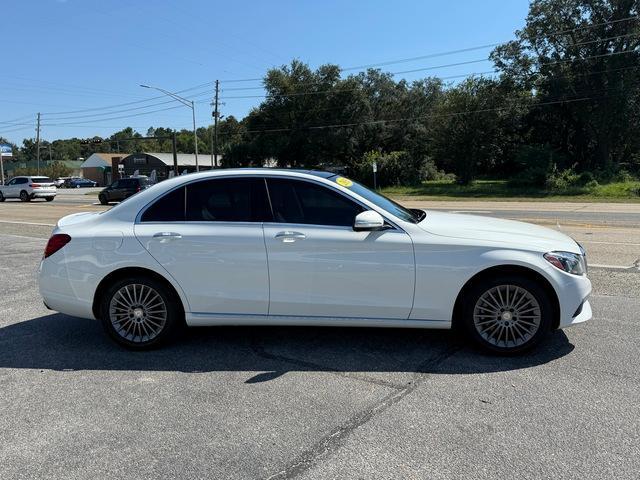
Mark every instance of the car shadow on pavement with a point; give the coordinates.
(63, 343)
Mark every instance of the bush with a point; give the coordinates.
(536, 164)
(429, 171)
(561, 179)
(395, 169)
(585, 178)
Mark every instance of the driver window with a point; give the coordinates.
(296, 201)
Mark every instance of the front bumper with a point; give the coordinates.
(573, 296)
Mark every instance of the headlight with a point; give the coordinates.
(568, 262)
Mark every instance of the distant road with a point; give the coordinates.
(609, 231)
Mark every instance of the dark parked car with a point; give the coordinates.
(123, 188)
(79, 183)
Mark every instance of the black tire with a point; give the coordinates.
(170, 329)
(478, 320)
(2, 199)
(24, 196)
(103, 199)
(49, 199)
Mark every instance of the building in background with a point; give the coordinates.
(98, 167)
(146, 162)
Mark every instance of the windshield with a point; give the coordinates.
(413, 216)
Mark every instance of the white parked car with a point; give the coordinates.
(27, 188)
(278, 247)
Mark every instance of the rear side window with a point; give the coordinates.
(169, 208)
(228, 200)
(219, 200)
(296, 201)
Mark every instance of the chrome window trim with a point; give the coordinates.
(264, 176)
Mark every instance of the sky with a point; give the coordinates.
(80, 63)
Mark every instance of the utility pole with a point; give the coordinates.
(214, 133)
(38, 143)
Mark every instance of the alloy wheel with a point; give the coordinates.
(138, 313)
(507, 316)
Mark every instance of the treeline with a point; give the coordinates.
(563, 107)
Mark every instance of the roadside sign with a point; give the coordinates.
(6, 150)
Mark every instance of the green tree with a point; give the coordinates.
(581, 59)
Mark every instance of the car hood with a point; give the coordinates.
(498, 231)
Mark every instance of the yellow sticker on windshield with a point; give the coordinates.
(345, 182)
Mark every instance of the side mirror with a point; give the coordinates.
(368, 221)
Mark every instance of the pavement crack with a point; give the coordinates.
(327, 445)
(262, 352)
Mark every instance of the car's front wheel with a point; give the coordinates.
(102, 199)
(1, 197)
(140, 312)
(507, 314)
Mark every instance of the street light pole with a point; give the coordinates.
(192, 106)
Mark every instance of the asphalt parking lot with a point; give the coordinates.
(317, 403)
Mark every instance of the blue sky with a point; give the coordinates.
(72, 55)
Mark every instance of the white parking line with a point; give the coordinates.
(611, 243)
(484, 212)
(629, 268)
(28, 223)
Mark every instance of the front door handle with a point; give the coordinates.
(167, 236)
(290, 237)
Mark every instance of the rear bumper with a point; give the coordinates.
(63, 290)
(43, 193)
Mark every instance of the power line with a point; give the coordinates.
(165, 102)
(463, 50)
(115, 118)
(296, 94)
(422, 117)
(108, 107)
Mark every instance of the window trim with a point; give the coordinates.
(138, 219)
(265, 176)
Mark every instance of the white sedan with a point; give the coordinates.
(286, 247)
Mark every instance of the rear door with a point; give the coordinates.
(320, 267)
(208, 236)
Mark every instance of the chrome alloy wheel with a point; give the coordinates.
(138, 313)
(507, 316)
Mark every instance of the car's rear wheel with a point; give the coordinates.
(508, 314)
(140, 312)
(24, 196)
(49, 199)
(2, 199)
(102, 199)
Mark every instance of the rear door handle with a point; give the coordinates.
(166, 236)
(290, 237)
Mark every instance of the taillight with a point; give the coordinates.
(138, 188)
(35, 185)
(55, 243)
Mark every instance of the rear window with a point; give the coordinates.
(41, 179)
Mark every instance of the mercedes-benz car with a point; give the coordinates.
(284, 247)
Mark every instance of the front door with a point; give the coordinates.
(320, 267)
(208, 236)
(11, 189)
